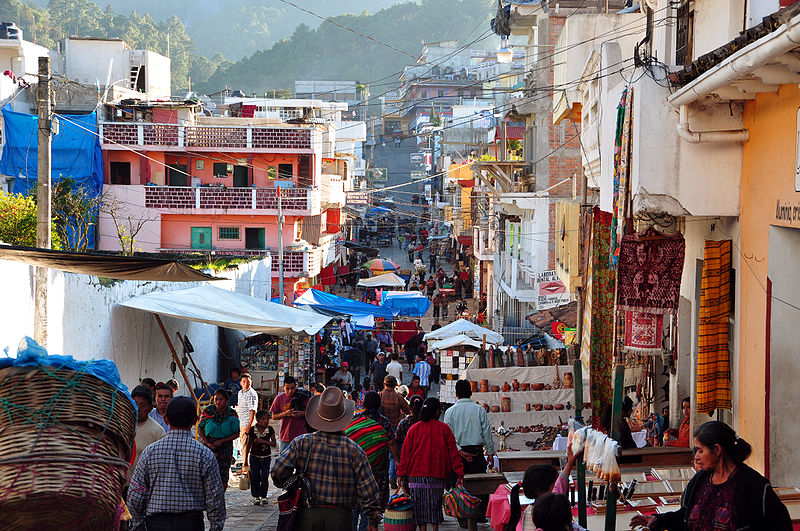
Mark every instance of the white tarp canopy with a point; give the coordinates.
(456, 341)
(386, 280)
(207, 304)
(467, 328)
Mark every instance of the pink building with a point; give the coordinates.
(211, 185)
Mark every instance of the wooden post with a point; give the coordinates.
(577, 372)
(616, 418)
(43, 213)
(175, 356)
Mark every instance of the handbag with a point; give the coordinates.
(459, 503)
(399, 515)
(297, 496)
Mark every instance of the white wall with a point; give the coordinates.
(158, 75)
(716, 22)
(88, 60)
(85, 321)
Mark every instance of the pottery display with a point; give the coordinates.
(548, 407)
(559, 407)
(569, 383)
(515, 385)
(527, 407)
(484, 385)
(505, 404)
(547, 387)
(495, 388)
(524, 429)
(537, 386)
(538, 407)
(473, 385)
(495, 409)
(525, 386)
(486, 407)
(506, 387)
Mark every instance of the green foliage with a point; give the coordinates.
(74, 211)
(330, 52)
(18, 221)
(224, 264)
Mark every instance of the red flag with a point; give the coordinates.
(558, 329)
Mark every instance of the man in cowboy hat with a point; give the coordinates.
(338, 469)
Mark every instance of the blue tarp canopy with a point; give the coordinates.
(341, 305)
(374, 211)
(409, 303)
(75, 151)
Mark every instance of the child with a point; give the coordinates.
(539, 480)
(552, 512)
(260, 439)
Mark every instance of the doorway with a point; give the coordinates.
(254, 238)
(201, 237)
(240, 176)
(178, 175)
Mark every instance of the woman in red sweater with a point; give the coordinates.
(429, 456)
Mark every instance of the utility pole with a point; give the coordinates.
(280, 249)
(42, 200)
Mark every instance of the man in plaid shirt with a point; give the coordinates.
(177, 478)
(338, 470)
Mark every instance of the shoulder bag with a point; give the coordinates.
(297, 496)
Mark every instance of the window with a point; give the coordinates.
(285, 172)
(439, 93)
(228, 233)
(683, 35)
(222, 170)
(271, 173)
(120, 172)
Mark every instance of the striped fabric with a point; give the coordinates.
(427, 494)
(713, 358)
(372, 438)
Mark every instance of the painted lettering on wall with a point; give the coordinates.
(787, 211)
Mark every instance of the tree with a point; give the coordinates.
(127, 226)
(74, 211)
(18, 221)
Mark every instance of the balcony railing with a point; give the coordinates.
(299, 263)
(209, 136)
(188, 197)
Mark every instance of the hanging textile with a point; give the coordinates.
(713, 357)
(650, 269)
(643, 332)
(601, 321)
(622, 161)
(328, 275)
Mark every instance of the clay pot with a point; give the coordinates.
(527, 407)
(484, 385)
(548, 407)
(524, 429)
(515, 385)
(506, 387)
(569, 382)
(547, 387)
(538, 407)
(486, 407)
(505, 404)
(495, 388)
(587, 405)
(559, 407)
(537, 386)
(495, 409)
(525, 386)
(473, 385)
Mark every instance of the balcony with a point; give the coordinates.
(174, 137)
(212, 200)
(296, 263)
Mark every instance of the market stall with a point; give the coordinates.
(385, 280)
(207, 304)
(361, 314)
(529, 404)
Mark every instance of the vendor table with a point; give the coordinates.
(639, 457)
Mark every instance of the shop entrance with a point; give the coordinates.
(253, 238)
(784, 336)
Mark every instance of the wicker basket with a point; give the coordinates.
(66, 439)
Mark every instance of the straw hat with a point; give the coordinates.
(329, 411)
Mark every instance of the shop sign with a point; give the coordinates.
(417, 158)
(551, 290)
(787, 212)
(357, 198)
(417, 175)
(377, 174)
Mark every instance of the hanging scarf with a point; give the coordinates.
(622, 160)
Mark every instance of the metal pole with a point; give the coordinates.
(578, 364)
(175, 356)
(280, 249)
(616, 418)
(42, 200)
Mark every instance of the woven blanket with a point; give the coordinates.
(650, 268)
(643, 332)
(622, 162)
(372, 438)
(713, 358)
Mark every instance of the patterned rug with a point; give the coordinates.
(643, 332)
(622, 162)
(650, 268)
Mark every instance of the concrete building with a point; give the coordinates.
(211, 184)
